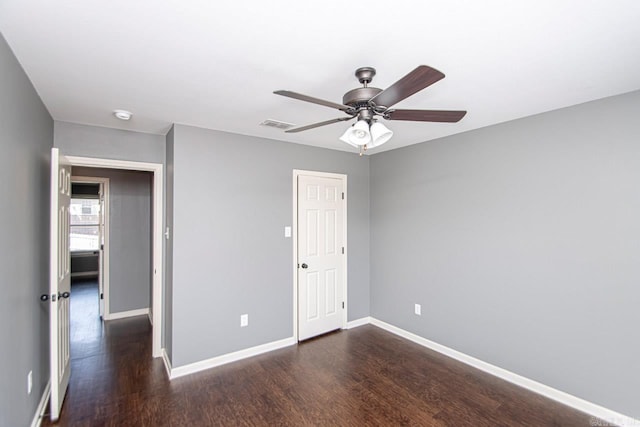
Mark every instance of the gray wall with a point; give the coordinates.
(129, 236)
(26, 135)
(521, 242)
(232, 199)
(92, 141)
(167, 343)
(85, 264)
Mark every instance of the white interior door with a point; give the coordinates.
(59, 280)
(101, 251)
(320, 255)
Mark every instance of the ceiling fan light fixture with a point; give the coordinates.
(367, 103)
(379, 134)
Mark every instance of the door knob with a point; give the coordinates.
(304, 265)
(45, 297)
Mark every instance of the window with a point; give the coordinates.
(85, 224)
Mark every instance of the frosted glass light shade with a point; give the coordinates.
(358, 134)
(345, 137)
(379, 135)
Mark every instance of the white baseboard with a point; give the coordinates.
(85, 274)
(610, 416)
(42, 406)
(590, 408)
(167, 362)
(358, 322)
(150, 315)
(125, 314)
(230, 357)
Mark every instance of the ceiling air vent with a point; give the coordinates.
(277, 124)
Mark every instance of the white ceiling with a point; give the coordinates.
(215, 64)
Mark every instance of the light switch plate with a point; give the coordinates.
(244, 320)
(287, 231)
(418, 309)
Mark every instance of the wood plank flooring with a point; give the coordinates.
(360, 377)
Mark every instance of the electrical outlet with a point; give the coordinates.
(244, 320)
(29, 382)
(418, 309)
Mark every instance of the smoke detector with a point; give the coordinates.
(122, 114)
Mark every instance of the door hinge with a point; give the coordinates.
(102, 247)
(101, 296)
(343, 250)
(342, 304)
(343, 195)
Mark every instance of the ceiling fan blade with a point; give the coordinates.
(413, 82)
(449, 116)
(311, 99)
(317, 125)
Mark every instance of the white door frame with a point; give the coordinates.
(104, 182)
(157, 234)
(343, 178)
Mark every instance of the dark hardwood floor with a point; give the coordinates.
(364, 376)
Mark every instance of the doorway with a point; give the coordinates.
(127, 260)
(89, 238)
(59, 325)
(157, 207)
(320, 255)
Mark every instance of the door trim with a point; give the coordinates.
(157, 234)
(105, 252)
(294, 235)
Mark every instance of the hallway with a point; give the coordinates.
(86, 326)
(111, 364)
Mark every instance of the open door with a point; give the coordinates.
(101, 242)
(59, 281)
(90, 220)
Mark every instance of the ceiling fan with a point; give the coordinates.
(368, 103)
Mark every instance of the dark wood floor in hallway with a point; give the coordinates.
(363, 376)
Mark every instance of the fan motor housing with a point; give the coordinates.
(360, 96)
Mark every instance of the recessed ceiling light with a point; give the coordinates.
(122, 114)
